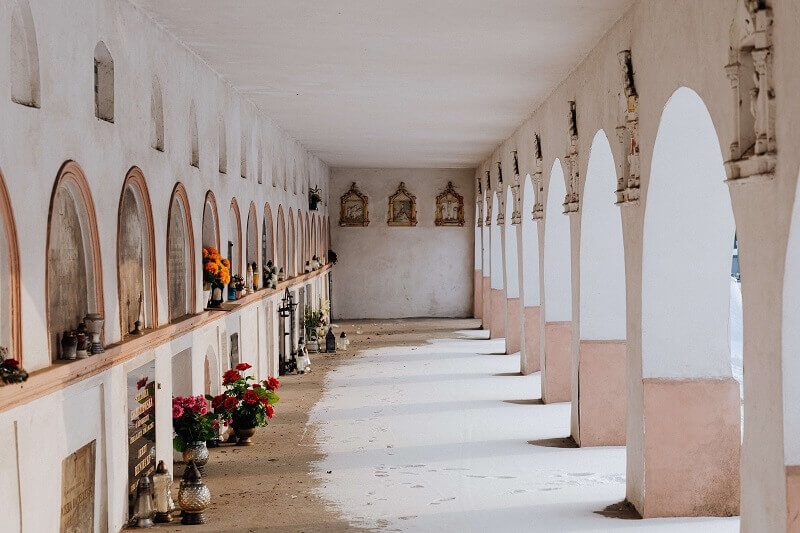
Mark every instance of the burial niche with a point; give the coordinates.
(103, 83)
(210, 222)
(180, 282)
(73, 257)
(10, 335)
(24, 56)
(135, 256)
(234, 251)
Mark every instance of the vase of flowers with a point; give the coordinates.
(10, 369)
(246, 403)
(193, 424)
(216, 274)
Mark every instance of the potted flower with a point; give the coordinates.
(194, 424)
(10, 370)
(246, 402)
(216, 274)
(314, 198)
(235, 287)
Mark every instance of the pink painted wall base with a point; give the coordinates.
(477, 294)
(557, 362)
(793, 499)
(486, 304)
(601, 393)
(513, 326)
(498, 329)
(691, 447)
(529, 358)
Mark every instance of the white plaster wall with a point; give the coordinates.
(530, 246)
(34, 143)
(390, 272)
(557, 255)
(510, 237)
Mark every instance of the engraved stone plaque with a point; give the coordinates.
(77, 491)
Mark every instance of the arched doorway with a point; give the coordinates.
(598, 371)
(556, 362)
(686, 361)
(529, 253)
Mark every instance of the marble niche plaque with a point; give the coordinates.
(141, 426)
(77, 490)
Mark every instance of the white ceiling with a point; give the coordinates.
(392, 83)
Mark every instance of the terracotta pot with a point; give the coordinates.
(244, 435)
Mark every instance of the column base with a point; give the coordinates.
(486, 303)
(692, 446)
(601, 397)
(513, 325)
(793, 499)
(529, 358)
(477, 295)
(557, 363)
(498, 329)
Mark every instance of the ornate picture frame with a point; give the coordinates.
(402, 208)
(354, 208)
(449, 207)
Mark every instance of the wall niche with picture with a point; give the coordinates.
(449, 207)
(402, 208)
(354, 208)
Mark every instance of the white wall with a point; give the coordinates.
(391, 272)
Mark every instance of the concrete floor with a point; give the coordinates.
(429, 429)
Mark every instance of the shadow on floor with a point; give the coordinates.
(558, 442)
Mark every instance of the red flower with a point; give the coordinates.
(250, 397)
(230, 376)
(177, 411)
(256, 385)
(270, 411)
(242, 367)
(217, 401)
(272, 383)
(230, 403)
(215, 423)
(13, 363)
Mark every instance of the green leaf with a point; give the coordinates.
(178, 443)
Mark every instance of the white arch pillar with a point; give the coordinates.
(512, 230)
(528, 257)
(486, 268)
(498, 291)
(477, 285)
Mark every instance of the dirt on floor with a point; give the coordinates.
(269, 487)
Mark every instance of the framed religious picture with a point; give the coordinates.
(354, 208)
(449, 207)
(402, 208)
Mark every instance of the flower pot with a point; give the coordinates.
(69, 345)
(207, 295)
(197, 452)
(245, 435)
(94, 325)
(216, 296)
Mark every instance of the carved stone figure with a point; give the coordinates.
(538, 182)
(628, 178)
(571, 198)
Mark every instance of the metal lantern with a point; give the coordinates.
(287, 311)
(143, 506)
(162, 494)
(193, 496)
(330, 341)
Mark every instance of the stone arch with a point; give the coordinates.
(497, 274)
(530, 280)
(556, 356)
(511, 265)
(223, 146)
(103, 83)
(210, 222)
(194, 138)
(686, 290)
(486, 261)
(280, 229)
(260, 161)
(599, 370)
(157, 116)
(791, 341)
(136, 267)
(235, 238)
(314, 242)
(291, 252)
(10, 281)
(252, 236)
(74, 281)
(25, 85)
(243, 167)
(180, 256)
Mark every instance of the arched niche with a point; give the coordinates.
(307, 239)
(267, 237)
(24, 56)
(210, 222)
(223, 147)
(157, 116)
(103, 83)
(291, 253)
(136, 281)
(234, 252)
(280, 229)
(260, 162)
(74, 275)
(180, 256)
(10, 294)
(300, 243)
(252, 236)
(243, 168)
(194, 137)
(314, 235)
